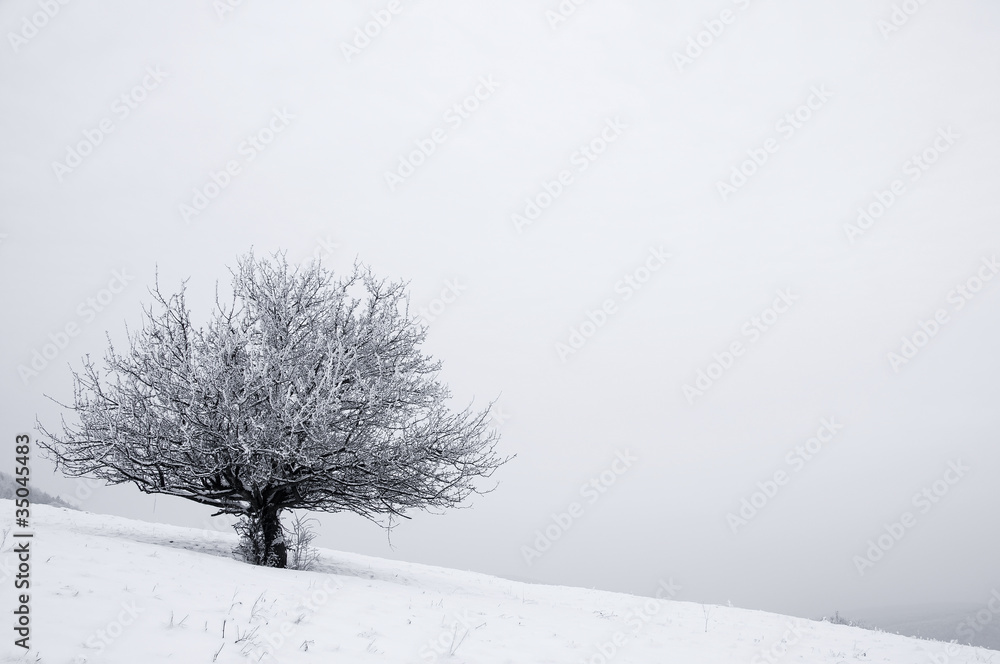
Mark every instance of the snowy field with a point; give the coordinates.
(111, 590)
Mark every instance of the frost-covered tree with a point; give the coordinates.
(302, 391)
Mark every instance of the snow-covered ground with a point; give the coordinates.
(111, 590)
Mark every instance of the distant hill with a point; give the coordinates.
(8, 487)
(941, 622)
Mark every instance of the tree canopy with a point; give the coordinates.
(303, 390)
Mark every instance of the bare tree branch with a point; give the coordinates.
(302, 391)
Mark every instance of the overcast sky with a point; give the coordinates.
(775, 194)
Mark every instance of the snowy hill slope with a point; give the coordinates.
(107, 589)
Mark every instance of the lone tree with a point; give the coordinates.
(302, 391)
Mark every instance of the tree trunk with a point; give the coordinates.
(275, 551)
(262, 540)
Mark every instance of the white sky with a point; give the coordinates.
(322, 180)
